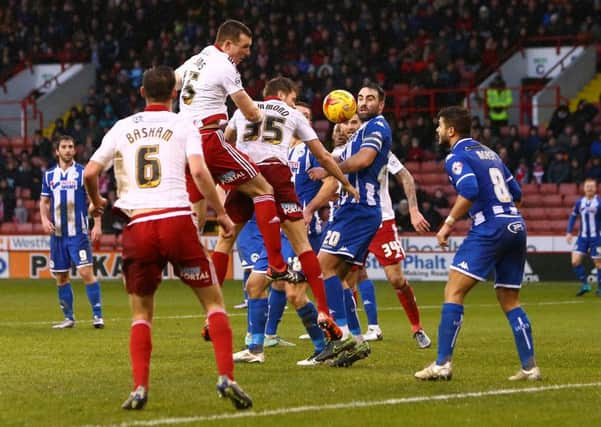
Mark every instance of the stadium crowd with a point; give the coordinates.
(322, 46)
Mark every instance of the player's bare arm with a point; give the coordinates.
(204, 182)
(418, 221)
(356, 162)
(90, 178)
(460, 208)
(230, 135)
(45, 215)
(326, 160)
(247, 106)
(326, 193)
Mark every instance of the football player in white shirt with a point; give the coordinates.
(149, 152)
(267, 145)
(206, 80)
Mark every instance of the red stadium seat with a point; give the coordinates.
(558, 213)
(547, 188)
(413, 166)
(534, 213)
(570, 201)
(107, 242)
(552, 200)
(26, 228)
(533, 200)
(8, 228)
(568, 188)
(432, 167)
(38, 228)
(529, 188)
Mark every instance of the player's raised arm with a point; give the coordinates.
(326, 160)
(405, 179)
(247, 106)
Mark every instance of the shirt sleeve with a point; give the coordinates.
(106, 152)
(45, 186)
(462, 177)
(303, 129)
(394, 164)
(231, 80)
(193, 140)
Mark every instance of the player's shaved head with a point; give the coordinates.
(158, 83)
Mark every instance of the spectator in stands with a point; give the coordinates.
(559, 168)
(538, 168)
(21, 214)
(498, 101)
(41, 146)
(594, 170)
(403, 218)
(522, 173)
(559, 119)
(415, 153)
(9, 200)
(440, 199)
(576, 171)
(585, 112)
(533, 143)
(431, 214)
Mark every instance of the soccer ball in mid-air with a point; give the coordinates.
(339, 106)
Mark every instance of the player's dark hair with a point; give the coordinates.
(379, 89)
(279, 84)
(590, 178)
(158, 83)
(231, 30)
(458, 118)
(63, 137)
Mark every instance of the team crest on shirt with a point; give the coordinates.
(457, 168)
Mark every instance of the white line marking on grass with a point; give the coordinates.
(349, 405)
(243, 313)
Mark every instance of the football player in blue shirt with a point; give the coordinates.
(64, 214)
(588, 209)
(347, 238)
(497, 240)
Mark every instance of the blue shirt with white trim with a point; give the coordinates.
(589, 212)
(478, 174)
(68, 200)
(374, 134)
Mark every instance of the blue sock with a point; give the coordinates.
(351, 313)
(451, 320)
(277, 304)
(257, 313)
(580, 273)
(93, 291)
(522, 332)
(308, 315)
(335, 298)
(368, 296)
(65, 299)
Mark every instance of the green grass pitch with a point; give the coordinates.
(80, 377)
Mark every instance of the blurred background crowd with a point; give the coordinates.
(322, 46)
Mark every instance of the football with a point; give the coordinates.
(339, 106)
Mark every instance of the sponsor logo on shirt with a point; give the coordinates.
(457, 168)
(515, 227)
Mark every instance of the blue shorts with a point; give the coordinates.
(588, 245)
(352, 230)
(250, 244)
(501, 246)
(68, 251)
(261, 265)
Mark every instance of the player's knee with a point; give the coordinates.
(61, 278)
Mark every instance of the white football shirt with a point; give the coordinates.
(207, 80)
(149, 151)
(394, 166)
(272, 137)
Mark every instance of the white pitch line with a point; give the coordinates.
(348, 405)
(243, 313)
